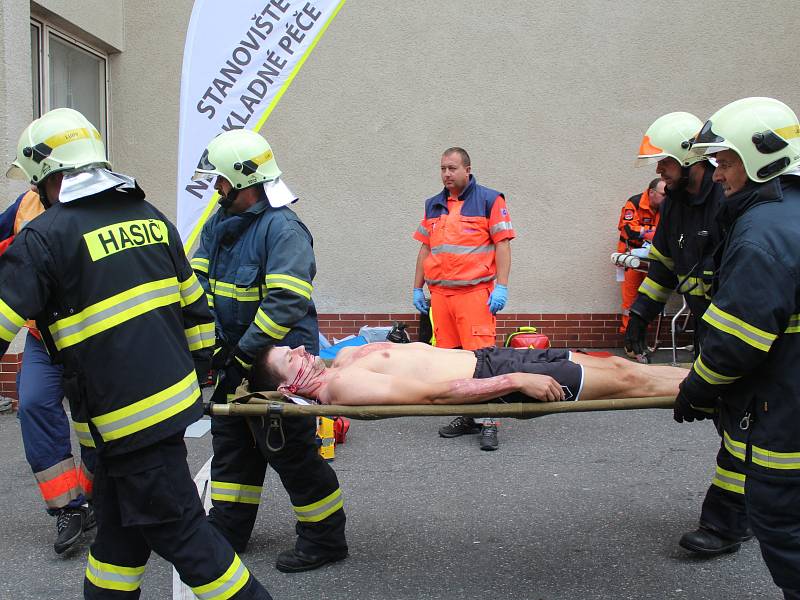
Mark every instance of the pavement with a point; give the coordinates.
(581, 505)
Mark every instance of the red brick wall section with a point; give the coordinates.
(581, 330)
(9, 365)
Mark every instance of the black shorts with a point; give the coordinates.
(552, 362)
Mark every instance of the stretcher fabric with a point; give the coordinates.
(553, 362)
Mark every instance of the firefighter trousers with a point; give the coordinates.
(238, 468)
(774, 516)
(724, 508)
(46, 432)
(146, 500)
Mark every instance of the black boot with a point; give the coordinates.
(294, 561)
(709, 543)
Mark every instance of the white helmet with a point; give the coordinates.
(670, 136)
(60, 140)
(764, 132)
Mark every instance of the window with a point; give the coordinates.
(68, 73)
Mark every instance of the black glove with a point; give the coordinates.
(222, 352)
(635, 335)
(685, 410)
(236, 368)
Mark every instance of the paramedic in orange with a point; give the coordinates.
(637, 225)
(465, 258)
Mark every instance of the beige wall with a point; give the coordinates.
(551, 99)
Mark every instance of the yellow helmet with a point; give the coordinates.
(764, 132)
(241, 156)
(670, 136)
(60, 140)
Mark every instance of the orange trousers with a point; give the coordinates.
(463, 320)
(630, 288)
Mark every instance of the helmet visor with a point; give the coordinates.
(708, 141)
(205, 169)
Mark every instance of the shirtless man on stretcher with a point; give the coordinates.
(387, 373)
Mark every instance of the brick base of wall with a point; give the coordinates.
(581, 330)
(9, 365)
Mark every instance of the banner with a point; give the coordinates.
(239, 59)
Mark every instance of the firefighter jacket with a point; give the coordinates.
(106, 279)
(25, 208)
(257, 270)
(462, 237)
(752, 344)
(637, 222)
(681, 257)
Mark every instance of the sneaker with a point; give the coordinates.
(69, 524)
(459, 426)
(489, 437)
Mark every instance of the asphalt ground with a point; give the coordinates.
(576, 505)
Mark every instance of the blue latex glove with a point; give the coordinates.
(420, 302)
(498, 299)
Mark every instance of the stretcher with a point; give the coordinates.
(275, 404)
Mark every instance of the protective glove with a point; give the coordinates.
(231, 375)
(420, 301)
(685, 410)
(498, 299)
(635, 333)
(222, 352)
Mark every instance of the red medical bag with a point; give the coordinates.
(526, 337)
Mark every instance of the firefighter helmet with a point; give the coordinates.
(60, 140)
(764, 132)
(241, 156)
(670, 136)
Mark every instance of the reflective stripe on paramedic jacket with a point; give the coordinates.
(116, 300)
(257, 269)
(462, 236)
(678, 251)
(752, 344)
(637, 222)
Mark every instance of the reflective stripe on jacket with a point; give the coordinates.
(118, 304)
(462, 244)
(752, 344)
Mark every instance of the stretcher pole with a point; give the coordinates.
(271, 403)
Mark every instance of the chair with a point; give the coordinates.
(679, 323)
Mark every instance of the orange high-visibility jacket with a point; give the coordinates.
(637, 222)
(461, 235)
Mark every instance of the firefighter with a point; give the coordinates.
(681, 260)
(66, 488)
(637, 225)
(465, 258)
(747, 365)
(256, 264)
(104, 275)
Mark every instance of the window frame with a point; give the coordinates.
(45, 30)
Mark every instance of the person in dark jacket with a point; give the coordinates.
(747, 366)
(681, 260)
(256, 264)
(104, 275)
